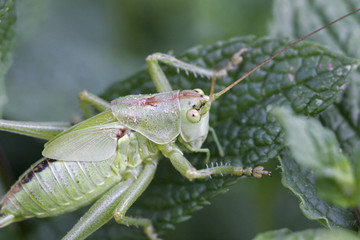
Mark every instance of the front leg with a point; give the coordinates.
(190, 148)
(162, 84)
(181, 164)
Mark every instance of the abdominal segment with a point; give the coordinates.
(53, 187)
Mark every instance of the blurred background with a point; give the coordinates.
(64, 47)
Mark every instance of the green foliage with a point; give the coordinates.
(316, 148)
(312, 234)
(249, 136)
(301, 182)
(341, 117)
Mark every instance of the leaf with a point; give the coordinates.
(274, 235)
(316, 148)
(302, 183)
(7, 23)
(296, 19)
(300, 17)
(310, 234)
(300, 78)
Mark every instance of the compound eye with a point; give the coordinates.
(199, 91)
(193, 115)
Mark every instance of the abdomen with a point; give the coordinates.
(52, 187)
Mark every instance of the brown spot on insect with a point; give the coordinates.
(151, 101)
(184, 94)
(148, 101)
(29, 176)
(38, 168)
(16, 189)
(132, 118)
(120, 132)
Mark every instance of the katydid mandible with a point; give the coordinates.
(111, 158)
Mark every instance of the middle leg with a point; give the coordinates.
(87, 99)
(177, 159)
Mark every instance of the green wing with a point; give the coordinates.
(94, 143)
(156, 116)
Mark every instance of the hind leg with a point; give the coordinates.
(115, 203)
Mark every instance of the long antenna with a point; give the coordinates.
(217, 95)
(211, 96)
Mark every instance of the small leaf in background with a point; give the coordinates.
(297, 18)
(273, 235)
(301, 182)
(317, 149)
(311, 234)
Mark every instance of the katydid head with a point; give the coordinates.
(194, 107)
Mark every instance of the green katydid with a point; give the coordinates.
(112, 157)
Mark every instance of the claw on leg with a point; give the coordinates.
(149, 229)
(236, 59)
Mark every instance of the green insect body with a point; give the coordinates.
(110, 159)
(52, 187)
(86, 161)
